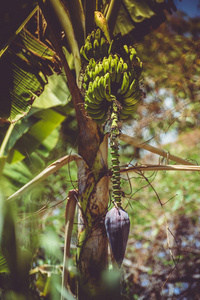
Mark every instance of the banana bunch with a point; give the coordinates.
(110, 72)
(96, 46)
(113, 77)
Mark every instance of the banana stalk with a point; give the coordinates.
(117, 221)
(115, 154)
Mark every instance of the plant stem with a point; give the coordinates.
(112, 13)
(3, 147)
(66, 24)
(115, 154)
(69, 220)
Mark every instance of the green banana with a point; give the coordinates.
(92, 105)
(134, 86)
(89, 50)
(125, 67)
(96, 49)
(119, 70)
(110, 58)
(98, 35)
(133, 54)
(90, 93)
(82, 53)
(91, 63)
(97, 114)
(104, 47)
(125, 84)
(96, 69)
(101, 87)
(106, 65)
(84, 86)
(107, 87)
(116, 61)
(129, 110)
(96, 90)
(134, 98)
(112, 70)
(126, 49)
(101, 72)
(92, 37)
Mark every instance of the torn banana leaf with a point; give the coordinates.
(24, 71)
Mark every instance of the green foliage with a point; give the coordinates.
(35, 226)
(24, 69)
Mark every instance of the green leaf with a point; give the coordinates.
(132, 13)
(55, 93)
(24, 69)
(44, 124)
(14, 15)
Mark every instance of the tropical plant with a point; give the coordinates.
(28, 63)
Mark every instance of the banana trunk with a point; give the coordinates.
(92, 253)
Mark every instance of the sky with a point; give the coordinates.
(189, 6)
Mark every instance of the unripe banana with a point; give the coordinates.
(92, 63)
(101, 72)
(107, 87)
(134, 97)
(126, 49)
(98, 35)
(133, 54)
(106, 65)
(84, 86)
(119, 70)
(110, 58)
(89, 50)
(96, 69)
(92, 37)
(90, 93)
(125, 67)
(104, 47)
(97, 114)
(91, 105)
(96, 90)
(101, 87)
(125, 84)
(112, 70)
(132, 88)
(96, 49)
(82, 53)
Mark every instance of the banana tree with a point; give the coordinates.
(104, 89)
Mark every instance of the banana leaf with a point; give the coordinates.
(24, 69)
(13, 16)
